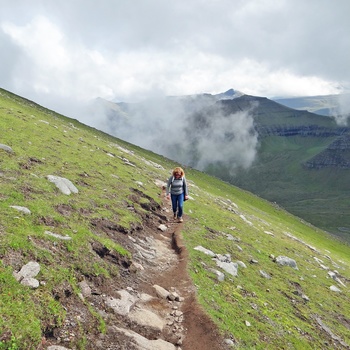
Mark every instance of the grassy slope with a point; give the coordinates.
(319, 196)
(45, 143)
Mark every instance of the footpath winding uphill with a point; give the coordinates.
(197, 331)
(172, 319)
(154, 307)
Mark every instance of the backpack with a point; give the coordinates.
(174, 179)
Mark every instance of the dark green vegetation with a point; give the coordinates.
(45, 143)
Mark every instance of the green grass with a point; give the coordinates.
(317, 196)
(277, 321)
(95, 163)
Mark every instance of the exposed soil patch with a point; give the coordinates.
(64, 209)
(201, 332)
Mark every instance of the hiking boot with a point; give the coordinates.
(175, 216)
(181, 219)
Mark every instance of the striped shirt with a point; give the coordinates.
(176, 186)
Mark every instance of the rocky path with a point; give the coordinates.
(191, 329)
(199, 331)
(156, 309)
(162, 312)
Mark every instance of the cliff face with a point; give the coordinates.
(336, 155)
(302, 130)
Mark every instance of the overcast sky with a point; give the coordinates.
(63, 53)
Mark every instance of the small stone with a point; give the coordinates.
(6, 148)
(171, 297)
(228, 342)
(85, 289)
(286, 261)
(162, 227)
(265, 274)
(161, 292)
(63, 184)
(23, 210)
(334, 289)
(305, 297)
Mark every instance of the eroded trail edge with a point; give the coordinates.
(192, 329)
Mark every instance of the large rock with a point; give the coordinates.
(123, 305)
(285, 261)
(63, 184)
(161, 292)
(147, 319)
(29, 270)
(143, 343)
(27, 273)
(229, 267)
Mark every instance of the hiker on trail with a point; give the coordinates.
(177, 190)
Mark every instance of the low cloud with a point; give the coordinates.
(230, 140)
(191, 131)
(342, 113)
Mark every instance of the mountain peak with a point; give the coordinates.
(229, 94)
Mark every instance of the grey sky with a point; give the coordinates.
(64, 53)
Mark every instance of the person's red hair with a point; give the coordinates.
(179, 170)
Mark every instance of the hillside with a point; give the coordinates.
(91, 259)
(298, 159)
(302, 163)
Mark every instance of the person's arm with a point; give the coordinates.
(185, 187)
(168, 186)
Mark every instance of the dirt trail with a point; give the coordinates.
(162, 260)
(201, 332)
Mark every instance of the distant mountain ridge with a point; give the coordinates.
(326, 105)
(299, 159)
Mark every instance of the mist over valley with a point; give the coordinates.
(296, 158)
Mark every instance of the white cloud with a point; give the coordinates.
(240, 151)
(342, 113)
(54, 52)
(41, 41)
